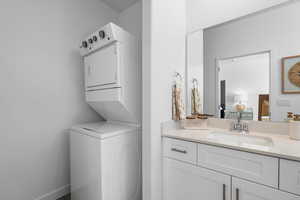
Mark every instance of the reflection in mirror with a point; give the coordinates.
(194, 75)
(244, 67)
(244, 86)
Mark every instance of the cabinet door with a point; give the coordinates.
(101, 67)
(244, 190)
(182, 181)
(290, 176)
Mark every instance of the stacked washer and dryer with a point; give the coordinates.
(106, 156)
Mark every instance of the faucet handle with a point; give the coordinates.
(232, 125)
(245, 127)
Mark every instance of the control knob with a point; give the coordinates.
(84, 44)
(102, 34)
(95, 38)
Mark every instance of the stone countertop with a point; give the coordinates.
(282, 147)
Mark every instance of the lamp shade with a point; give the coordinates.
(241, 98)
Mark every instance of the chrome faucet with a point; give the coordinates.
(240, 126)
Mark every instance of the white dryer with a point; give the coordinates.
(112, 75)
(105, 161)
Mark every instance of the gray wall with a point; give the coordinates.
(41, 91)
(276, 29)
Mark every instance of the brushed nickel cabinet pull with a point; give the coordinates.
(179, 151)
(237, 194)
(224, 192)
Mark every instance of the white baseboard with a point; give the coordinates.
(55, 194)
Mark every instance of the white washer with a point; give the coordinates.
(105, 161)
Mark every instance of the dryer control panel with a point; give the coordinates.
(99, 39)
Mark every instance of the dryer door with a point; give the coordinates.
(101, 67)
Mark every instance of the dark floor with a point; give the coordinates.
(68, 197)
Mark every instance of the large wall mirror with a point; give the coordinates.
(239, 67)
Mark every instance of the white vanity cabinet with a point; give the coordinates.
(245, 190)
(193, 171)
(290, 176)
(253, 167)
(183, 181)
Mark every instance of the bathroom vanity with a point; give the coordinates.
(216, 164)
(246, 73)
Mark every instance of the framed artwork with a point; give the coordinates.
(291, 75)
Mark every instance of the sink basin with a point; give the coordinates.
(242, 140)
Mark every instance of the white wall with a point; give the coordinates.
(41, 91)
(163, 53)
(239, 73)
(273, 30)
(206, 13)
(131, 19)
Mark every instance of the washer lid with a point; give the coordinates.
(104, 129)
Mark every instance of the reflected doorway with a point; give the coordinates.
(244, 87)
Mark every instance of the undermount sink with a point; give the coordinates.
(241, 140)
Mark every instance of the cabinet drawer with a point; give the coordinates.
(257, 168)
(180, 150)
(290, 176)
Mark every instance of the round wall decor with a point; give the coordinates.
(294, 74)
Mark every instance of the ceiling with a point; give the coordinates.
(120, 5)
(205, 13)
